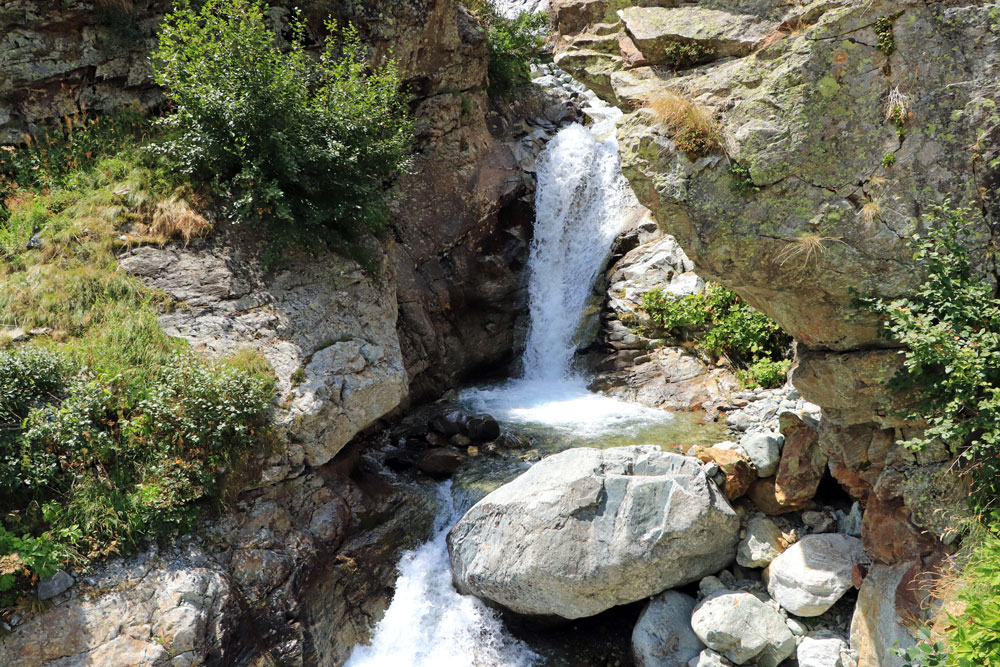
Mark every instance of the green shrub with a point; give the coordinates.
(886, 38)
(766, 373)
(973, 637)
(742, 181)
(723, 325)
(950, 330)
(513, 45)
(309, 145)
(686, 54)
(100, 465)
(888, 160)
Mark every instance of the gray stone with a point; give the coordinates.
(589, 529)
(663, 636)
(742, 628)
(876, 626)
(821, 649)
(812, 574)
(761, 544)
(764, 451)
(54, 585)
(709, 658)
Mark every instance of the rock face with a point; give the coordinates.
(663, 636)
(877, 626)
(802, 94)
(588, 529)
(327, 328)
(821, 650)
(814, 573)
(742, 628)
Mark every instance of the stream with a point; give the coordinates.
(580, 202)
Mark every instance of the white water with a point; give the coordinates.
(428, 624)
(581, 202)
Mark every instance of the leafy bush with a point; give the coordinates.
(685, 54)
(98, 464)
(886, 38)
(723, 325)
(742, 181)
(309, 145)
(950, 330)
(513, 44)
(766, 373)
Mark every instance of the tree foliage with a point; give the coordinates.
(308, 144)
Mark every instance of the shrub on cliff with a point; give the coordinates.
(723, 325)
(950, 327)
(308, 144)
(513, 44)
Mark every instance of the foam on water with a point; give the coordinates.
(428, 624)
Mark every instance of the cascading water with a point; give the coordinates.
(581, 201)
(581, 204)
(429, 624)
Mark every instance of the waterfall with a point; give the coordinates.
(580, 207)
(428, 624)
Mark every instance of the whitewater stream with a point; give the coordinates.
(580, 201)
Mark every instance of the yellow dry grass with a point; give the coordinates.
(174, 218)
(683, 117)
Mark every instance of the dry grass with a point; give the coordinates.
(175, 219)
(805, 247)
(870, 212)
(692, 125)
(897, 106)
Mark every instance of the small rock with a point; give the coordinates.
(709, 658)
(441, 461)
(449, 423)
(329, 520)
(34, 243)
(812, 574)
(482, 428)
(54, 585)
(663, 636)
(742, 628)
(460, 440)
(821, 649)
(850, 524)
(510, 440)
(763, 450)
(820, 522)
(437, 440)
(762, 543)
(797, 627)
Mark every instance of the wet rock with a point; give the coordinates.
(592, 529)
(813, 573)
(663, 636)
(54, 585)
(460, 440)
(329, 522)
(510, 440)
(449, 423)
(441, 461)
(482, 428)
(742, 628)
(761, 545)
(821, 649)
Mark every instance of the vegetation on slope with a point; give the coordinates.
(111, 432)
(513, 45)
(722, 325)
(306, 144)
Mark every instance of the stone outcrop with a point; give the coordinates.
(588, 529)
(832, 188)
(327, 329)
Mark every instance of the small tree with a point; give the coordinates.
(308, 144)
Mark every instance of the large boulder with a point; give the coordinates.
(588, 529)
(742, 628)
(814, 573)
(877, 626)
(663, 636)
